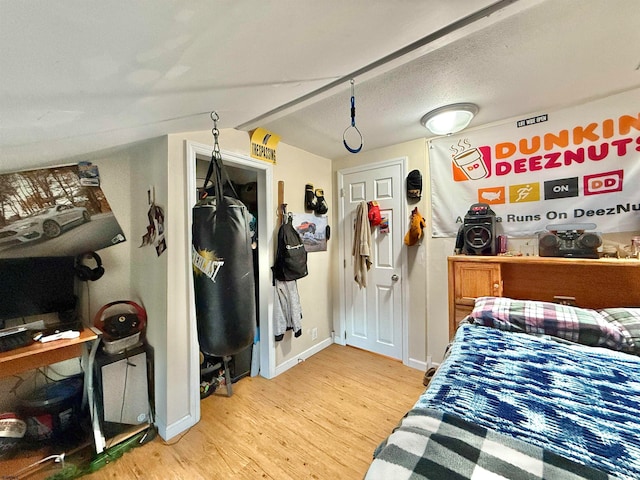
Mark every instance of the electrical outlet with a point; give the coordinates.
(314, 333)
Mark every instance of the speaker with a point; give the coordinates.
(478, 231)
(86, 273)
(122, 389)
(570, 241)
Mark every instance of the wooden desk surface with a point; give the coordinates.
(39, 354)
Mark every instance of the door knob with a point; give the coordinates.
(395, 277)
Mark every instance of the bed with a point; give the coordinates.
(527, 390)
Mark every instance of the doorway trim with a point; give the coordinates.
(342, 255)
(264, 170)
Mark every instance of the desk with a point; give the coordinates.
(38, 354)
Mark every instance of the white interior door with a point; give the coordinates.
(374, 315)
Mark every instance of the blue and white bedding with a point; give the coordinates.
(578, 402)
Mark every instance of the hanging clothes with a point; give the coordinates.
(361, 250)
(287, 311)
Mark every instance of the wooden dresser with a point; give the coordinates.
(594, 283)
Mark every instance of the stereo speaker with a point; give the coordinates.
(569, 241)
(479, 231)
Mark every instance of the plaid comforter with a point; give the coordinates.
(521, 407)
(438, 446)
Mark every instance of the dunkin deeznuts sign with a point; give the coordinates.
(579, 165)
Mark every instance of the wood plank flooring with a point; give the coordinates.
(319, 420)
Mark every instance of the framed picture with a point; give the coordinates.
(312, 229)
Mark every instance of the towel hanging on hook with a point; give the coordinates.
(353, 124)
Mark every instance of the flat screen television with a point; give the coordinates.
(37, 286)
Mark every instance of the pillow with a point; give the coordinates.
(579, 325)
(627, 320)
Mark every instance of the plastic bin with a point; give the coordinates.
(52, 409)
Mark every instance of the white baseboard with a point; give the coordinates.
(283, 367)
(417, 364)
(176, 428)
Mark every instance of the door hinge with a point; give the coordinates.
(344, 263)
(342, 192)
(345, 335)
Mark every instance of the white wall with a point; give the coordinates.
(158, 283)
(149, 272)
(115, 180)
(138, 273)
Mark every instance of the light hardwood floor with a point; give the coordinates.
(321, 419)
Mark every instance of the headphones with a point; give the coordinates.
(85, 273)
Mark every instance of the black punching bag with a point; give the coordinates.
(223, 272)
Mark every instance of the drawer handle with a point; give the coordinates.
(496, 286)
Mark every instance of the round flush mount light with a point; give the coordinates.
(450, 118)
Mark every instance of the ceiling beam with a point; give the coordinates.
(412, 47)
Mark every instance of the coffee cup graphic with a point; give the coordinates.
(471, 163)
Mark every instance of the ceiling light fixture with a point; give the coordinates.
(450, 118)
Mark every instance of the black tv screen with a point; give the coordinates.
(36, 286)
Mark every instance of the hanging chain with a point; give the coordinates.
(216, 133)
(216, 156)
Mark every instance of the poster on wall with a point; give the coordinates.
(579, 165)
(155, 225)
(312, 229)
(55, 212)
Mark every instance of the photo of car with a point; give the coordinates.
(45, 224)
(312, 230)
(306, 227)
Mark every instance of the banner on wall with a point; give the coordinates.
(580, 165)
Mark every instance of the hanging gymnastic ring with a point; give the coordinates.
(346, 145)
(353, 123)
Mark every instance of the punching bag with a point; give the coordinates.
(223, 274)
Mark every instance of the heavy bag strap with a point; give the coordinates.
(216, 167)
(215, 172)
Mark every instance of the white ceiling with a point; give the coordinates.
(83, 75)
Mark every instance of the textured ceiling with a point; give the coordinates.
(549, 57)
(83, 75)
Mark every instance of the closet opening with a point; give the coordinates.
(246, 171)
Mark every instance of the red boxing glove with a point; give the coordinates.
(375, 218)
